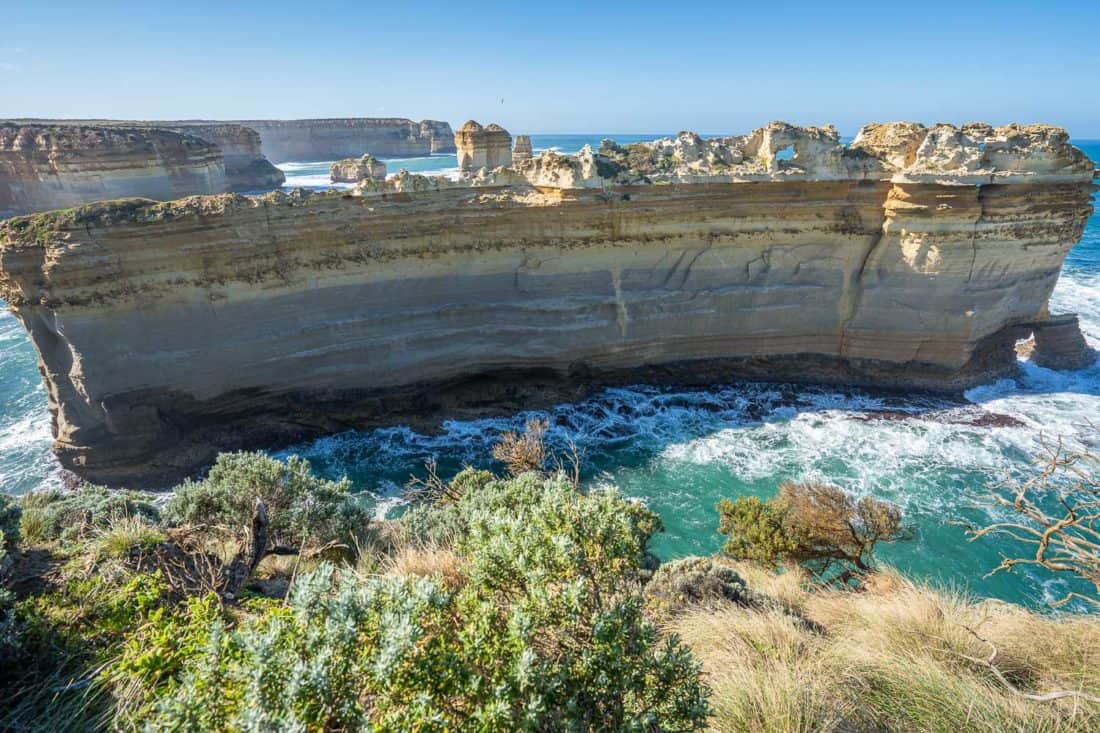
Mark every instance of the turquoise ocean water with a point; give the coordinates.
(682, 450)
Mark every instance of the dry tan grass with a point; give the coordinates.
(426, 562)
(890, 658)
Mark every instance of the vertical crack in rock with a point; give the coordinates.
(852, 289)
(622, 317)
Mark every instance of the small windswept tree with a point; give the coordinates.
(821, 527)
(526, 451)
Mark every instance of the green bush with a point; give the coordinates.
(546, 633)
(304, 510)
(8, 637)
(70, 516)
(692, 580)
(821, 527)
(10, 514)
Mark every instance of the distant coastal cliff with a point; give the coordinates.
(46, 167)
(53, 164)
(351, 137)
(913, 258)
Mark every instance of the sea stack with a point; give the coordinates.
(915, 259)
(480, 147)
(353, 170)
(1059, 344)
(522, 150)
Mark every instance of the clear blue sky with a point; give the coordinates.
(559, 66)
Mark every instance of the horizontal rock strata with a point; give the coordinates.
(482, 147)
(246, 168)
(55, 166)
(913, 259)
(338, 138)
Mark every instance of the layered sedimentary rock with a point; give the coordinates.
(440, 136)
(915, 259)
(1059, 344)
(246, 168)
(482, 147)
(351, 137)
(353, 170)
(521, 152)
(55, 166)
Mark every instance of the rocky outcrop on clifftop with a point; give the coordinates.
(354, 170)
(46, 167)
(169, 331)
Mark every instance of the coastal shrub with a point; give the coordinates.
(819, 526)
(1056, 516)
(70, 516)
(545, 632)
(10, 515)
(125, 536)
(683, 583)
(304, 511)
(8, 637)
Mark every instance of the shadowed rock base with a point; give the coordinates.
(171, 435)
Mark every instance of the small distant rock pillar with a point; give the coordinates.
(522, 149)
(354, 170)
(1059, 344)
(482, 147)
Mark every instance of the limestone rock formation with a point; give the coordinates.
(56, 166)
(353, 170)
(522, 150)
(246, 168)
(337, 138)
(1059, 344)
(169, 331)
(480, 147)
(440, 136)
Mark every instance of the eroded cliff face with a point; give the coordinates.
(338, 138)
(482, 147)
(168, 332)
(49, 167)
(246, 168)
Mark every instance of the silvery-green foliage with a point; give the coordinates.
(10, 513)
(691, 580)
(70, 516)
(8, 636)
(303, 509)
(547, 633)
